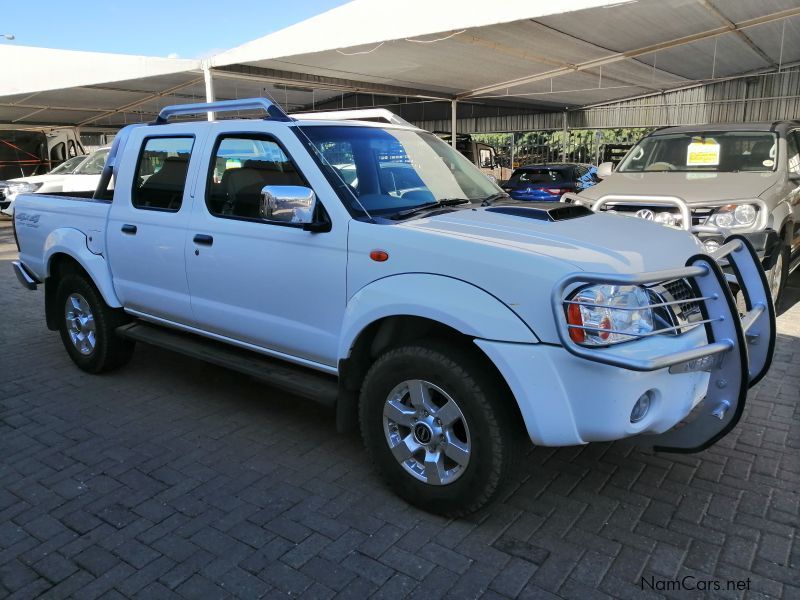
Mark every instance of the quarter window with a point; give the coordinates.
(161, 173)
(240, 168)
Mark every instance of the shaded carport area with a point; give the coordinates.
(519, 66)
(172, 478)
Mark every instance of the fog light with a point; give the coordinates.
(711, 246)
(641, 408)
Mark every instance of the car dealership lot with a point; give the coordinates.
(174, 477)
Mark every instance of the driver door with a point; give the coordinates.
(263, 284)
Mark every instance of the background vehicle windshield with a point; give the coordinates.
(68, 165)
(537, 176)
(715, 152)
(390, 170)
(94, 164)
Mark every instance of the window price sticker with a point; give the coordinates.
(704, 153)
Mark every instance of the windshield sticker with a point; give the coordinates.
(704, 153)
(768, 163)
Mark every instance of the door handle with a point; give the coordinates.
(203, 239)
(129, 229)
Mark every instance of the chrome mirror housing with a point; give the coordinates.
(288, 204)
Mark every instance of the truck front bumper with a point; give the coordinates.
(695, 383)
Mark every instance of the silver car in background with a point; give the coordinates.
(715, 181)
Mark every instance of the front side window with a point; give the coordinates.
(58, 152)
(715, 152)
(161, 173)
(385, 170)
(793, 151)
(241, 167)
(486, 158)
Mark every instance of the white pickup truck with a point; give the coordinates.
(413, 295)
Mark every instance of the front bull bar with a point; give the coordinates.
(737, 355)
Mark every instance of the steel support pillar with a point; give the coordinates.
(453, 122)
(209, 79)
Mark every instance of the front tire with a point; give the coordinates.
(778, 274)
(87, 325)
(438, 426)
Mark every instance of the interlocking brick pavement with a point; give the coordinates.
(172, 478)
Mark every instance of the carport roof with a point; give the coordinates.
(532, 55)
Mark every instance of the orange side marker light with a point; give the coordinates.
(379, 255)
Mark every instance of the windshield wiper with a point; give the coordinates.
(428, 205)
(489, 200)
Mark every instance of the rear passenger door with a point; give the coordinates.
(146, 233)
(265, 284)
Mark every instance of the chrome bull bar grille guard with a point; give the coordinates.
(684, 209)
(737, 354)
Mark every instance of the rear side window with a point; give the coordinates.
(161, 173)
(240, 168)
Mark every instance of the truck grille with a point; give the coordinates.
(683, 315)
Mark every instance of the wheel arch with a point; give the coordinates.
(392, 331)
(61, 261)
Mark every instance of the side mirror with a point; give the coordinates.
(605, 169)
(288, 204)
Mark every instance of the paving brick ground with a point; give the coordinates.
(171, 478)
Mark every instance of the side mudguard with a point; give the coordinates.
(73, 243)
(447, 300)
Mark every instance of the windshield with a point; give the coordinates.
(68, 165)
(714, 152)
(537, 176)
(386, 171)
(94, 164)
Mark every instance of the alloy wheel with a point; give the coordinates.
(427, 432)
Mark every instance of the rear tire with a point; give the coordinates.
(87, 325)
(439, 428)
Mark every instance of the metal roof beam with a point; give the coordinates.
(290, 78)
(620, 56)
(525, 55)
(140, 101)
(740, 34)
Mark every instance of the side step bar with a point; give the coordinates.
(290, 378)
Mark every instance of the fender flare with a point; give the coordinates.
(780, 216)
(447, 300)
(73, 243)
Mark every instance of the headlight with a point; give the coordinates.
(734, 215)
(600, 315)
(21, 187)
(668, 218)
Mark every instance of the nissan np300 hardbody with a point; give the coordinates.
(373, 268)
